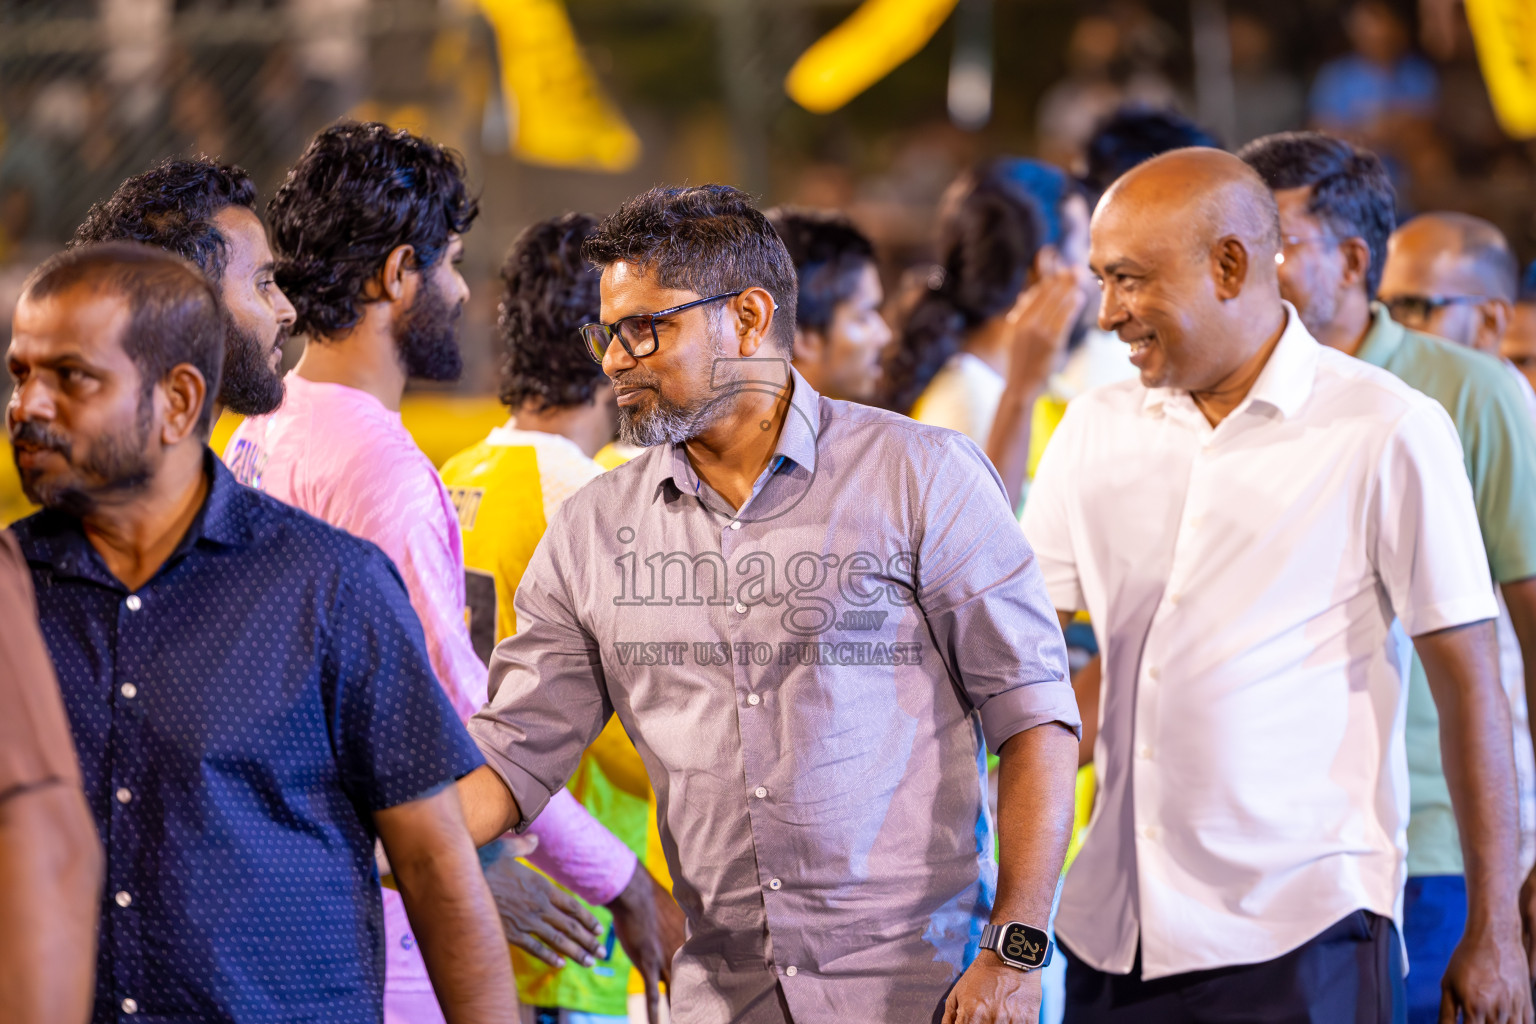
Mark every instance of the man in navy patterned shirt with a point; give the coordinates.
(248, 688)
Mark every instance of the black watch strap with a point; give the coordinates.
(1018, 945)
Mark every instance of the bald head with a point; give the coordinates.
(1455, 254)
(1203, 195)
(1452, 275)
(1185, 246)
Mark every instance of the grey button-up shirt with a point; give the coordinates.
(810, 682)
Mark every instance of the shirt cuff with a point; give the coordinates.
(531, 794)
(578, 852)
(1449, 614)
(1024, 707)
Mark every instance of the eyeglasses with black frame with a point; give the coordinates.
(637, 333)
(1412, 310)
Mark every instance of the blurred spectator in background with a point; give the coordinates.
(1131, 135)
(840, 335)
(948, 367)
(1379, 94)
(204, 212)
(1336, 214)
(1453, 275)
(1267, 97)
(1520, 340)
(1112, 59)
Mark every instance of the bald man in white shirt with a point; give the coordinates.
(1256, 526)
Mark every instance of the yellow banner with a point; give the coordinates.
(1505, 32)
(878, 37)
(557, 114)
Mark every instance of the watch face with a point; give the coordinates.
(1024, 945)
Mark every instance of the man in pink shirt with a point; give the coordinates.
(367, 229)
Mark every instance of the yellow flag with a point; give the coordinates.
(556, 111)
(872, 42)
(1505, 32)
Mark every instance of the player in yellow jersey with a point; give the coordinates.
(506, 489)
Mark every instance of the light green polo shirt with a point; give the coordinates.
(1498, 441)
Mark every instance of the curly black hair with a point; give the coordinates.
(172, 207)
(1351, 190)
(989, 244)
(360, 191)
(830, 255)
(708, 239)
(1133, 135)
(548, 291)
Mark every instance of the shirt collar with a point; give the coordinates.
(1382, 339)
(796, 446)
(1286, 380)
(58, 541)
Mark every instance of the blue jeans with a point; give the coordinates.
(1434, 916)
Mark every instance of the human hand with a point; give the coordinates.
(989, 992)
(540, 918)
(1528, 919)
(1488, 980)
(650, 926)
(1042, 321)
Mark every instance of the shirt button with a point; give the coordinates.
(791, 971)
(1149, 832)
(754, 699)
(133, 602)
(123, 899)
(130, 1006)
(775, 884)
(1153, 673)
(760, 792)
(1145, 752)
(129, 690)
(124, 795)
(736, 525)
(741, 609)
(1196, 522)
(1173, 598)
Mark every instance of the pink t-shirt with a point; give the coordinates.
(339, 454)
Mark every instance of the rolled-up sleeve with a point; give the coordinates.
(986, 603)
(548, 700)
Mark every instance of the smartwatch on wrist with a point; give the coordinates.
(1018, 945)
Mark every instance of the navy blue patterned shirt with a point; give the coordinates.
(239, 718)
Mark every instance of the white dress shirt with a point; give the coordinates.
(1243, 583)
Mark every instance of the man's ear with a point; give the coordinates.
(389, 285)
(810, 346)
(1357, 261)
(181, 396)
(1229, 266)
(1493, 317)
(754, 319)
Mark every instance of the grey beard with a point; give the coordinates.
(666, 423)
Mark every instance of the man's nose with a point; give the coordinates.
(1111, 313)
(30, 402)
(616, 358)
(286, 314)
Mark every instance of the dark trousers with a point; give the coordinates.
(1434, 916)
(1352, 973)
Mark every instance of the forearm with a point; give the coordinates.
(456, 925)
(578, 852)
(1034, 812)
(1520, 599)
(489, 807)
(1008, 443)
(1085, 686)
(1475, 744)
(50, 893)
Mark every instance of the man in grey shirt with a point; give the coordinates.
(812, 618)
